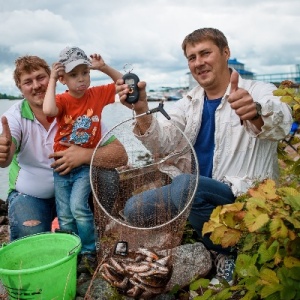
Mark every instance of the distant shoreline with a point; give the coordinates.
(8, 99)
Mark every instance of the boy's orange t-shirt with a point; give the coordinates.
(79, 120)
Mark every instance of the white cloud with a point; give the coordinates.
(148, 34)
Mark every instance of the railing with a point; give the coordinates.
(279, 77)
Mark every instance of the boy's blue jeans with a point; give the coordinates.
(73, 210)
(29, 215)
(209, 194)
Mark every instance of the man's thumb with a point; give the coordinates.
(5, 128)
(234, 81)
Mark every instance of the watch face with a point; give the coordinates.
(258, 111)
(258, 108)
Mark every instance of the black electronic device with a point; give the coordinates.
(132, 80)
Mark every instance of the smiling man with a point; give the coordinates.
(26, 145)
(234, 125)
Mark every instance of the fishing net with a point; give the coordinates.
(141, 208)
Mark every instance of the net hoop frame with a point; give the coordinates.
(185, 207)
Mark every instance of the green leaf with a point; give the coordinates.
(202, 282)
(258, 202)
(268, 276)
(215, 215)
(206, 295)
(293, 247)
(294, 273)
(287, 99)
(278, 229)
(287, 293)
(233, 207)
(291, 262)
(267, 253)
(251, 284)
(217, 234)
(245, 266)
(210, 226)
(249, 241)
(268, 290)
(250, 295)
(230, 238)
(255, 221)
(285, 278)
(279, 92)
(293, 201)
(293, 220)
(224, 294)
(265, 190)
(230, 220)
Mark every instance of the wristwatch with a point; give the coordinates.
(258, 111)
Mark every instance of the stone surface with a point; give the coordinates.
(2, 291)
(190, 261)
(4, 234)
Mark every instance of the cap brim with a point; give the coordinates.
(70, 66)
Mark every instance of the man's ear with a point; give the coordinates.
(227, 52)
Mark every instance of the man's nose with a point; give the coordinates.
(199, 61)
(36, 84)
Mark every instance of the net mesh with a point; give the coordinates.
(142, 207)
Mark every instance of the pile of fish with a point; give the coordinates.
(141, 273)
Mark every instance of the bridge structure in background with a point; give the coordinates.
(277, 78)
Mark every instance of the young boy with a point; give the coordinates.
(78, 114)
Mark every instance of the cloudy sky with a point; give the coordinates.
(262, 34)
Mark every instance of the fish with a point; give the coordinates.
(138, 267)
(121, 284)
(106, 278)
(154, 282)
(153, 290)
(148, 253)
(134, 291)
(162, 269)
(142, 274)
(164, 260)
(113, 277)
(119, 268)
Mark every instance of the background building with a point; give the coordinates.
(275, 78)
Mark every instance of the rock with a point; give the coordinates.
(190, 261)
(4, 230)
(4, 234)
(3, 208)
(99, 289)
(2, 291)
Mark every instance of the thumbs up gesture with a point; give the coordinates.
(240, 100)
(5, 143)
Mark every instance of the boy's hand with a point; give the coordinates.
(57, 70)
(97, 62)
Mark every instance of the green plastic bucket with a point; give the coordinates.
(41, 266)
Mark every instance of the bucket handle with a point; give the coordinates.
(72, 251)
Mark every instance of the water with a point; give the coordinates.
(112, 115)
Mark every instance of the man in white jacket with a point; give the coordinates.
(234, 125)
